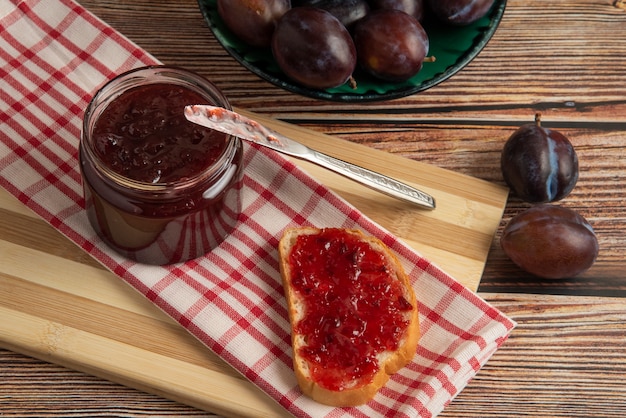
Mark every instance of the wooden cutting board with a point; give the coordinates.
(59, 305)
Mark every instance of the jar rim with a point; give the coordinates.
(156, 74)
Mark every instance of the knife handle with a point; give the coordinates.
(372, 179)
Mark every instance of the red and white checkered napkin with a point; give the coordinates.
(53, 56)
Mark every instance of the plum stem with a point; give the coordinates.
(352, 83)
(538, 119)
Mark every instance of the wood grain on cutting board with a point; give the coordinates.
(59, 305)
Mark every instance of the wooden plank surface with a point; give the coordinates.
(468, 209)
(578, 342)
(60, 306)
(566, 358)
(566, 59)
(99, 325)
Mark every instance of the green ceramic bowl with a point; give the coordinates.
(453, 48)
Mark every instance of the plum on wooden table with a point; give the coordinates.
(539, 164)
(550, 241)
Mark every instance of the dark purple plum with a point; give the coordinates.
(312, 47)
(391, 45)
(460, 12)
(347, 11)
(413, 7)
(252, 21)
(550, 241)
(539, 164)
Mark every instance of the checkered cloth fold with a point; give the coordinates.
(53, 56)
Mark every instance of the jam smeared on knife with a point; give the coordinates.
(359, 307)
(235, 124)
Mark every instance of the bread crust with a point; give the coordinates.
(389, 361)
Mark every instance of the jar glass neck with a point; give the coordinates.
(142, 77)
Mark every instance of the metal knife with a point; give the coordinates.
(232, 123)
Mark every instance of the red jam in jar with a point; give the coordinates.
(158, 189)
(354, 308)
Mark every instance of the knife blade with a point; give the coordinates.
(232, 123)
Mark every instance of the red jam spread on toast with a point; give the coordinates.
(143, 135)
(354, 306)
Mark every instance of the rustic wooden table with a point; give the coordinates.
(565, 59)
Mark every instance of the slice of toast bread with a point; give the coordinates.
(329, 246)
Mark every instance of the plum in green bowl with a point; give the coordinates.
(452, 46)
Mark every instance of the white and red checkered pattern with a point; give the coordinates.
(53, 56)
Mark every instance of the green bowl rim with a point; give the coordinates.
(479, 43)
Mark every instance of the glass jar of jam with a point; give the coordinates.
(158, 189)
